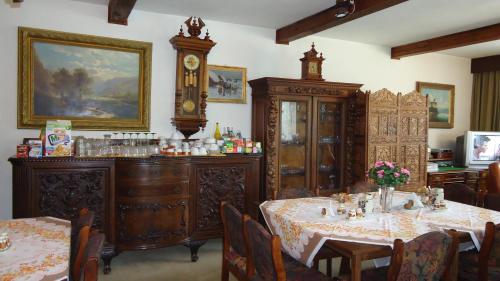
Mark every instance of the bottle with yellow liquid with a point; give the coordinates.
(217, 134)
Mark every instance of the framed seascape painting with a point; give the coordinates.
(227, 84)
(98, 83)
(441, 103)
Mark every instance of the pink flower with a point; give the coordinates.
(380, 172)
(389, 164)
(379, 164)
(396, 174)
(405, 171)
(380, 176)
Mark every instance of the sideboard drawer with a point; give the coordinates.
(146, 172)
(133, 188)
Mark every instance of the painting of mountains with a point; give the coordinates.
(79, 82)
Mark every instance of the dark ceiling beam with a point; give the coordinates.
(119, 10)
(326, 19)
(17, 1)
(455, 40)
(485, 64)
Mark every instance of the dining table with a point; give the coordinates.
(306, 224)
(39, 249)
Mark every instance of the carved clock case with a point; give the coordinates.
(191, 70)
(307, 128)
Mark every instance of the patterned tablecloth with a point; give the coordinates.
(303, 229)
(39, 251)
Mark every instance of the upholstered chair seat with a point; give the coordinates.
(427, 257)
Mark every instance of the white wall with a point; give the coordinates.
(237, 45)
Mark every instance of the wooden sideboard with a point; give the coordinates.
(474, 178)
(140, 203)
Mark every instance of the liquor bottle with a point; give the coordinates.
(217, 134)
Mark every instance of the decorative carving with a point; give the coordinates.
(398, 131)
(152, 233)
(216, 185)
(64, 193)
(383, 98)
(271, 153)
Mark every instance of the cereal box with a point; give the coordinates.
(58, 138)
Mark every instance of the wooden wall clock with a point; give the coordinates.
(311, 65)
(191, 70)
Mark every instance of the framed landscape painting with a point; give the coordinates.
(441, 103)
(98, 83)
(227, 84)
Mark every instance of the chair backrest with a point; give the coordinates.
(492, 201)
(461, 193)
(361, 186)
(426, 257)
(494, 177)
(264, 252)
(293, 193)
(490, 249)
(79, 240)
(233, 229)
(93, 251)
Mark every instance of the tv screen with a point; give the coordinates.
(486, 147)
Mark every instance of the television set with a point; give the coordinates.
(477, 149)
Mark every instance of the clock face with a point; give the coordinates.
(313, 68)
(191, 62)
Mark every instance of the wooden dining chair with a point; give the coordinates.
(234, 255)
(81, 229)
(266, 262)
(90, 267)
(460, 193)
(494, 177)
(428, 257)
(492, 201)
(485, 264)
(361, 186)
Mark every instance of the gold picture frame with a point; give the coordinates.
(226, 84)
(98, 83)
(441, 103)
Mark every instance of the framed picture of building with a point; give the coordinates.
(227, 84)
(441, 103)
(98, 83)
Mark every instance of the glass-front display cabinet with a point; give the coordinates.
(307, 130)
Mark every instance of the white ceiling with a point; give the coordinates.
(408, 22)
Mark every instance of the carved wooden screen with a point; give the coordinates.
(382, 142)
(413, 120)
(397, 131)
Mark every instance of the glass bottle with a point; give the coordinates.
(217, 134)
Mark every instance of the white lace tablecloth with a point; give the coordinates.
(303, 229)
(40, 249)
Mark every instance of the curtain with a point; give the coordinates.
(485, 109)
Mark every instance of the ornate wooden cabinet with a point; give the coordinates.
(308, 130)
(396, 129)
(140, 203)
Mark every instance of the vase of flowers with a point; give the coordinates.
(388, 175)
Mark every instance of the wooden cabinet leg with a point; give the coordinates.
(108, 253)
(194, 246)
(355, 268)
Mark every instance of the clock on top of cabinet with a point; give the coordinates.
(311, 65)
(191, 70)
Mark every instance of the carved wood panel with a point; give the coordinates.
(397, 131)
(218, 184)
(382, 127)
(152, 222)
(62, 193)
